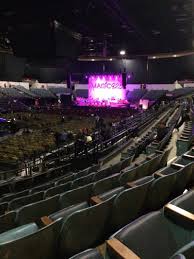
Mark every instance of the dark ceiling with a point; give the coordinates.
(96, 27)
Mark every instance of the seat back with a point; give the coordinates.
(129, 204)
(164, 158)
(154, 164)
(58, 189)
(14, 196)
(106, 184)
(116, 168)
(160, 191)
(3, 207)
(153, 236)
(22, 184)
(65, 179)
(106, 172)
(182, 179)
(40, 244)
(75, 196)
(83, 181)
(33, 212)
(126, 162)
(22, 201)
(42, 188)
(91, 221)
(128, 176)
(7, 221)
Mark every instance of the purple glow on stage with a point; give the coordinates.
(106, 88)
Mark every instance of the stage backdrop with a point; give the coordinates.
(106, 88)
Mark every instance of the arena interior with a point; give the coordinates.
(97, 129)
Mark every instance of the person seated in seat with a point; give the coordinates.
(162, 130)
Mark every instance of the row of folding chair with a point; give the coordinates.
(94, 221)
(103, 181)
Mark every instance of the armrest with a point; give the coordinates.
(158, 174)
(46, 220)
(180, 216)
(131, 184)
(178, 166)
(158, 152)
(120, 250)
(95, 200)
(188, 156)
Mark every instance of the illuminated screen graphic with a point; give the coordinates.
(106, 88)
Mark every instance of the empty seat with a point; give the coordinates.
(3, 207)
(106, 184)
(33, 212)
(65, 179)
(64, 213)
(22, 184)
(160, 191)
(128, 175)
(14, 196)
(7, 221)
(107, 195)
(75, 196)
(37, 243)
(19, 202)
(82, 173)
(84, 229)
(83, 181)
(153, 236)
(129, 204)
(106, 172)
(90, 254)
(126, 162)
(58, 189)
(116, 168)
(42, 187)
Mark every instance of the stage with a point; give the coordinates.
(104, 91)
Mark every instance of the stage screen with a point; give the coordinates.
(106, 88)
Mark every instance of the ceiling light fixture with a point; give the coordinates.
(122, 52)
(154, 57)
(93, 59)
(174, 56)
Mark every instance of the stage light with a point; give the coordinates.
(93, 59)
(129, 76)
(122, 52)
(110, 59)
(154, 57)
(174, 56)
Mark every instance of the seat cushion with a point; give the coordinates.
(17, 233)
(187, 251)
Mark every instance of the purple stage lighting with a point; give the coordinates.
(106, 88)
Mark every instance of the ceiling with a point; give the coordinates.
(96, 27)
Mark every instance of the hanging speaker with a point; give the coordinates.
(68, 80)
(124, 79)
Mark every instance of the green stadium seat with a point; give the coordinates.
(75, 196)
(33, 212)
